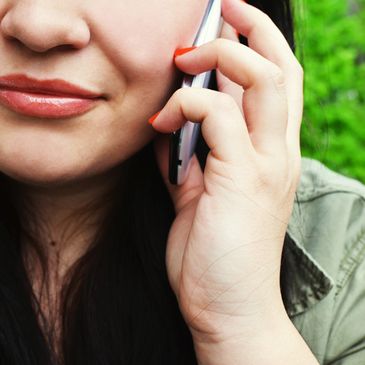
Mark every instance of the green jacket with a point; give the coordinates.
(324, 266)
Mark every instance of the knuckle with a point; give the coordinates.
(219, 43)
(273, 76)
(276, 75)
(271, 174)
(268, 72)
(182, 99)
(267, 22)
(263, 18)
(224, 101)
(179, 94)
(182, 96)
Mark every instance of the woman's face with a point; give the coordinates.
(120, 48)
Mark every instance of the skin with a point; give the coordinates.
(61, 166)
(252, 170)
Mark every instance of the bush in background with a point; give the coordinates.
(331, 46)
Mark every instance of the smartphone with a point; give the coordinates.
(183, 141)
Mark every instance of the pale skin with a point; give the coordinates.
(224, 248)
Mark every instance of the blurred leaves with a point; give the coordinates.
(330, 37)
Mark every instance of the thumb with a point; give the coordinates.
(192, 188)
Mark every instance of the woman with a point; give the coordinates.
(102, 260)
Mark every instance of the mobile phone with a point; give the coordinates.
(183, 141)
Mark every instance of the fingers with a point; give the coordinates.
(265, 101)
(262, 34)
(224, 83)
(222, 127)
(267, 40)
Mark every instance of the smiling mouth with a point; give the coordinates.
(45, 98)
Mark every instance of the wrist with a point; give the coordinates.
(272, 342)
(259, 315)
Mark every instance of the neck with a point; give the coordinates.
(63, 220)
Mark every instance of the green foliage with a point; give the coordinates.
(330, 38)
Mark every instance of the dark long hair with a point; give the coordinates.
(118, 307)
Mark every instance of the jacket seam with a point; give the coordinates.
(316, 194)
(355, 256)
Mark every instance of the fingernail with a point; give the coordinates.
(152, 119)
(181, 51)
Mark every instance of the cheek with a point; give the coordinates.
(141, 37)
(139, 45)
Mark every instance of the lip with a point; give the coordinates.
(52, 98)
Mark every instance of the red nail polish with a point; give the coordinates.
(181, 51)
(152, 119)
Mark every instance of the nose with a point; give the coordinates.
(41, 26)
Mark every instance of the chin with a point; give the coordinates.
(43, 177)
(46, 172)
(45, 164)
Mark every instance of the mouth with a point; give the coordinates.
(52, 98)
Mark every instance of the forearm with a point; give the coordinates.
(274, 344)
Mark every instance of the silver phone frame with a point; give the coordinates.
(187, 136)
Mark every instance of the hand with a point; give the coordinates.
(224, 247)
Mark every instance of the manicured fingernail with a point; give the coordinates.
(152, 119)
(181, 51)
